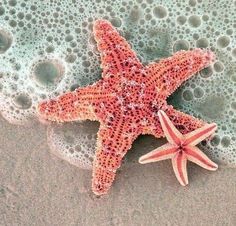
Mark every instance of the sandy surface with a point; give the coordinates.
(37, 188)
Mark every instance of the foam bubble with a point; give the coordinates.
(5, 41)
(2, 11)
(218, 66)
(225, 141)
(187, 95)
(160, 12)
(202, 43)
(233, 105)
(116, 22)
(194, 21)
(205, 17)
(47, 73)
(22, 101)
(180, 45)
(181, 20)
(71, 58)
(215, 140)
(192, 3)
(198, 92)
(12, 2)
(234, 52)
(223, 41)
(206, 72)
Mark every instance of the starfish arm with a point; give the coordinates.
(164, 152)
(198, 135)
(76, 105)
(112, 144)
(116, 54)
(179, 163)
(170, 73)
(170, 131)
(194, 154)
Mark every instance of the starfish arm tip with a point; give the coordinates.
(215, 125)
(44, 108)
(102, 180)
(216, 168)
(207, 55)
(184, 184)
(210, 56)
(141, 161)
(164, 152)
(195, 155)
(179, 163)
(99, 22)
(145, 159)
(195, 137)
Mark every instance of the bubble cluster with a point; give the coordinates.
(48, 48)
(74, 142)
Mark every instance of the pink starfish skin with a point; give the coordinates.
(181, 148)
(126, 99)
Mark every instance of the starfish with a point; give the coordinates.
(126, 99)
(181, 148)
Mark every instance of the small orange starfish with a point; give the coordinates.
(181, 148)
(126, 100)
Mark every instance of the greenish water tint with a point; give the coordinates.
(47, 48)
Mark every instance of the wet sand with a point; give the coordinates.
(37, 188)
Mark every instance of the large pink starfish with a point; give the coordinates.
(126, 100)
(181, 148)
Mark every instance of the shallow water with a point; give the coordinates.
(47, 48)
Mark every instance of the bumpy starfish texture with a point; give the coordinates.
(126, 100)
(181, 148)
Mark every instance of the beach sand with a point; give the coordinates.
(37, 188)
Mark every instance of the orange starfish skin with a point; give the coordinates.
(126, 100)
(181, 148)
